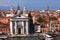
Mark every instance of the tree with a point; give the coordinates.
(52, 18)
(0, 14)
(40, 20)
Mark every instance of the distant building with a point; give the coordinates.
(25, 21)
(5, 25)
(10, 13)
(54, 25)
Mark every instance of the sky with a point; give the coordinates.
(31, 4)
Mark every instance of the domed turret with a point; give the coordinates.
(25, 12)
(24, 8)
(11, 10)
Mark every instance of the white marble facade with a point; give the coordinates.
(16, 23)
(19, 25)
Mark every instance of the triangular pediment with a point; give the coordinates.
(20, 16)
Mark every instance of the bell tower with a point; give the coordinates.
(18, 10)
(47, 7)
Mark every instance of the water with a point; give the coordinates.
(57, 37)
(25, 38)
(31, 38)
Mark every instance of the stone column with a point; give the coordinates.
(27, 27)
(11, 28)
(22, 29)
(15, 27)
(50, 26)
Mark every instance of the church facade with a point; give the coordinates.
(19, 25)
(20, 22)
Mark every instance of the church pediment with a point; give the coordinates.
(20, 16)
